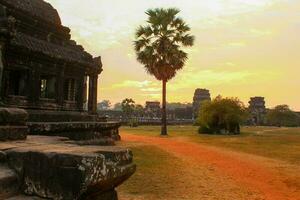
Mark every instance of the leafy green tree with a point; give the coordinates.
(222, 115)
(282, 115)
(128, 106)
(139, 110)
(158, 46)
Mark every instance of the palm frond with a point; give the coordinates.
(158, 44)
(140, 31)
(188, 40)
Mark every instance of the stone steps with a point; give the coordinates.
(8, 182)
(23, 197)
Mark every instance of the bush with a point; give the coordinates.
(221, 116)
(205, 129)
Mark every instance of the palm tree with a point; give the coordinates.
(158, 46)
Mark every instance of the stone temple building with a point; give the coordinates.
(200, 95)
(41, 67)
(257, 110)
(45, 81)
(45, 72)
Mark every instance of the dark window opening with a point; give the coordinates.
(70, 90)
(17, 83)
(48, 87)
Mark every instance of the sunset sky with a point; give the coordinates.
(243, 48)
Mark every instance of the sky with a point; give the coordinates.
(243, 48)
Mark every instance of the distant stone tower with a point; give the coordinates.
(199, 96)
(257, 109)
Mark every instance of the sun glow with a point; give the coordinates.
(243, 47)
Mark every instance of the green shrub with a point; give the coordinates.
(221, 116)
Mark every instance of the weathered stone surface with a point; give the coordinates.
(13, 116)
(59, 116)
(2, 156)
(23, 197)
(57, 168)
(53, 57)
(8, 182)
(13, 124)
(13, 133)
(77, 130)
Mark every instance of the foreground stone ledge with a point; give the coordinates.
(13, 124)
(77, 130)
(56, 168)
(13, 133)
(13, 116)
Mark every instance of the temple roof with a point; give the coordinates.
(38, 38)
(71, 53)
(36, 8)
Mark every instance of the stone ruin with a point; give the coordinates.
(257, 109)
(50, 147)
(200, 96)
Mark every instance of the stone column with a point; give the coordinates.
(34, 84)
(1, 69)
(80, 93)
(93, 90)
(85, 92)
(60, 86)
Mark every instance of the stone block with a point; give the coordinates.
(2, 156)
(13, 132)
(9, 185)
(77, 130)
(58, 169)
(13, 116)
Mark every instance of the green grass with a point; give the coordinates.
(279, 143)
(154, 178)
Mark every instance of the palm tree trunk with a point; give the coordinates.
(164, 109)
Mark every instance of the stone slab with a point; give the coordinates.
(13, 132)
(23, 197)
(77, 130)
(13, 116)
(8, 182)
(57, 168)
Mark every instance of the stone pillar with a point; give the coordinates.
(34, 84)
(1, 69)
(93, 90)
(85, 92)
(60, 87)
(80, 93)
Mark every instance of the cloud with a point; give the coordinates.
(243, 47)
(134, 84)
(209, 78)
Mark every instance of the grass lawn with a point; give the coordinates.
(162, 176)
(278, 143)
(155, 176)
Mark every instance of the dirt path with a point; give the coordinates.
(257, 174)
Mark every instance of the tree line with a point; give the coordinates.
(226, 115)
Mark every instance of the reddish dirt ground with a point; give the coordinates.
(259, 175)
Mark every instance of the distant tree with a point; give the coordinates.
(118, 107)
(159, 45)
(128, 106)
(104, 105)
(282, 115)
(139, 110)
(221, 116)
